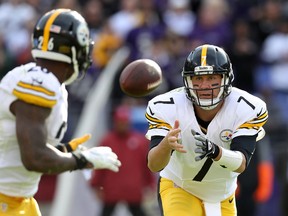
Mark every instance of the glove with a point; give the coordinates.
(73, 144)
(204, 147)
(100, 157)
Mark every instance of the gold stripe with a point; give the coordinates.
(35, 88)
(204, 55)
(253, 125)
(264, 115)
(161, 126)
(150, 118)
(33, 99)
(157, 123)
(47, 27)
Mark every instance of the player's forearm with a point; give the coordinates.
(159, 156)
(50, 161)
(232, 161)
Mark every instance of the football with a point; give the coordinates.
(140, 77)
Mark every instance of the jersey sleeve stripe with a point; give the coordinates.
(156, 123)
(34, 99)
(263, 116)
(257, 122)
(24, 85)
(152, 119)
(253, 125)
(159, 126)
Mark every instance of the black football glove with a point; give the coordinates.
(204, 147)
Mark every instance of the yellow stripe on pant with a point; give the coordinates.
(18, 206)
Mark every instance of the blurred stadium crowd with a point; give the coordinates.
(253, 32)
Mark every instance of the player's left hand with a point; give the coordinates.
(204, 147)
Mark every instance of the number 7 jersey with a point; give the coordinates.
(242, 114)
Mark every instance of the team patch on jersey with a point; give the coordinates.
(226, 135)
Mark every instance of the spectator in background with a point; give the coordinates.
(272, 83)
(6, 59)
(71, 4)
(127, 18)
(264, 18)
(94, 15)
(212, 24)
(244, 53)
(255, 185)
(129, 184)
(179, 18)
(144, 41)
(274, 56)
(106, 44)
(177, 48)
(16, 30)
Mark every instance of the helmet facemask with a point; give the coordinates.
(194, 93)
(207, 60)
(80, 67)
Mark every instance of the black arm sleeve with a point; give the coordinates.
(246, 145)
(155, 140)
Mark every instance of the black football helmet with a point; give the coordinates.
(63, 35)
(204, 60)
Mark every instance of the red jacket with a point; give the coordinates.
(133, 176)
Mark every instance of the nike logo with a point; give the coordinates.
(151, 111)
(258, 114)
(231, 200)
(37, 80)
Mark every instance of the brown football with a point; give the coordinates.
(140, 77)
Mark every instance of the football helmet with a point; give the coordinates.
(63, 35)
(204, 60)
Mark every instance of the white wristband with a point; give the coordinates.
(231, 160)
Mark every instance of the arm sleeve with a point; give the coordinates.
(246, 145)
(155, 140)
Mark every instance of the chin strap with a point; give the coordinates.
(74, 76)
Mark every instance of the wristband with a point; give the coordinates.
(231, 160)
(216, 151)
(81, 161)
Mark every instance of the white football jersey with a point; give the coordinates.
(37, 86)
(241, 114)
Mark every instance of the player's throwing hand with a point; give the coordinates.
(173, 138)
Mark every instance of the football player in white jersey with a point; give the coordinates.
(33, 113)
(203, 136)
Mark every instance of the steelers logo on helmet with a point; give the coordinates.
(82, 34)
(208, 60)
